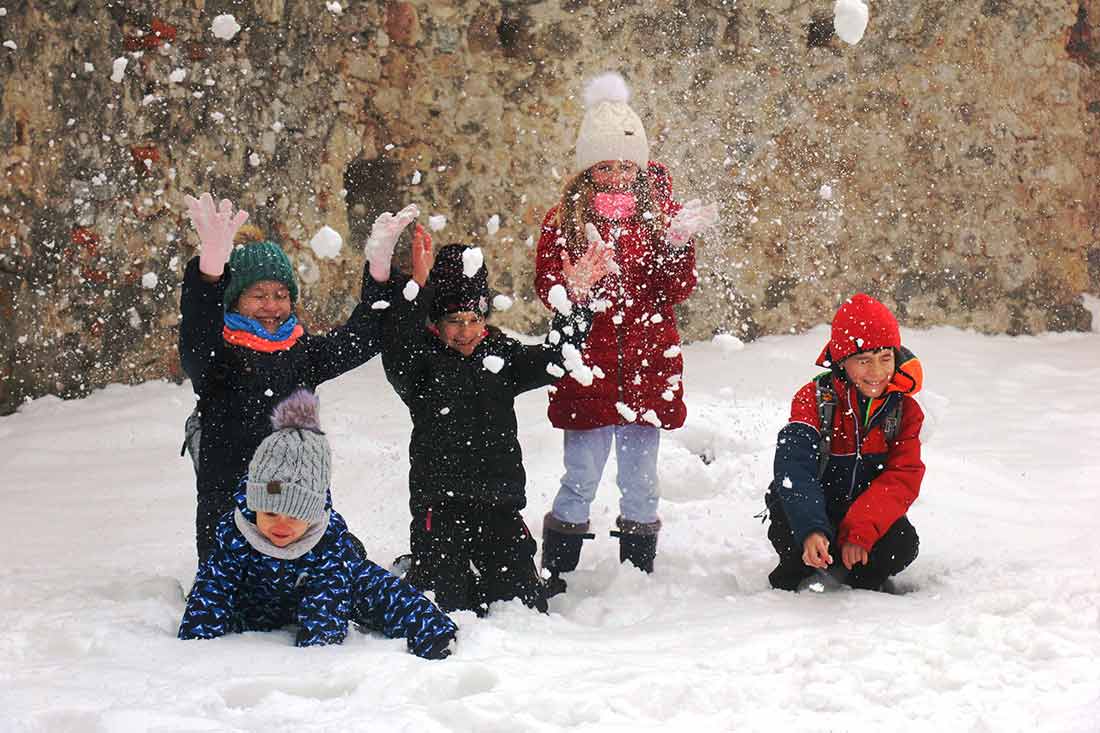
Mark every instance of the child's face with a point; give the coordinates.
(280, 529)
(614, 175)
(266, 301)
(461, 331)
(870, 371)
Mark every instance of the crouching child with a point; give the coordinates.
(285, 557)
(848, 464)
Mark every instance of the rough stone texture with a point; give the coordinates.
(957, 144)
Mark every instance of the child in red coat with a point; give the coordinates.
(619, 199)
(851, 505)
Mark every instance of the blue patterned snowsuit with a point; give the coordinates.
(239, 589)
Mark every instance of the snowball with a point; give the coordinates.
(11, 44)
(651, 417)
(118, 68)
(787, 483)
(667, 396)
(816, 587)
(254, 160)
(597, 372)
(559, 299)
(850, 20)
(657, 318)
(445, 411)
(326, 243)
(574, 362)
(149, 280)
(493, 225)
(380, 305)
(135, 318)
(554, 337)
(437, 222)
(502, 302)
(411, 290)
(177, 75)
(727, 342)
(89, 68)
(626, 412)
(825, 192)
(472, 260)
(555, 371)
(334, 8)
(672, 352)
(416, 178)
(225, 26)
(493, 363)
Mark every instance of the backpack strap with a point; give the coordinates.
(826, 405)
(891, 422)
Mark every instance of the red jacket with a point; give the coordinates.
(634, 342)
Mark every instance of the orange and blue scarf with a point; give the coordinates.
(247, 332)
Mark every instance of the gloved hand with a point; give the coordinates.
(383, 238)
(216, 229)
(589, 268)
(692, 219)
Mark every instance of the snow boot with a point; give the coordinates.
(637, 542)
(561, 549)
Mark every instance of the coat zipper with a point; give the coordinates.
(859, 445)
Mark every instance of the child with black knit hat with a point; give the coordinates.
(283, 556)
(245, 350)
(848, 464)
(459, 378)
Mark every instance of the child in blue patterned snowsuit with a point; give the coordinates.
(284, 557)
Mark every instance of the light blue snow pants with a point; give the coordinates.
(586, 453)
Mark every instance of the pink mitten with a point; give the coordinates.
(216, 228)
(383, 238)
(692, 219)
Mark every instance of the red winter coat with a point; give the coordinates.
(634, 342)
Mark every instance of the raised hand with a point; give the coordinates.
(423, 256)
(216, 228)
(589, 268)
(691, 220)
(383, 238)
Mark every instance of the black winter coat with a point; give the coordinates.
(238, 387)
(464, 447)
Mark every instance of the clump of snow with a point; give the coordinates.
(574, 362)
(672, 352)
(149, 280)
(89, 67)
(11, 44)
(728, 342)
(554, 337)
(559, 299)
(850, 20)
(787, 482)
(628, 414)
(334, 8)
(254, 160)
(225, 26)
(411, 290)
(472, 260)
(825, 192)
(493, 363)
(416, 178)
(380, 305)
(555, 371)
(436, 222)
(177, 75)
(493, 225)
(118, 69)
(651, 417)
(326, 243)
(502, 302)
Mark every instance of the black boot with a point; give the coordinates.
(561, 549)
(637, 542)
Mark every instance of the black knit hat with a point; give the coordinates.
(454, 290)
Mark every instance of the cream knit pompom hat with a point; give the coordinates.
(611, 130)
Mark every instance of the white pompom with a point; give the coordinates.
(607, 87)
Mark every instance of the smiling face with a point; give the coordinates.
(614, 175)
(280, 529)
(266, 301)
(870, 371)
(461, 331)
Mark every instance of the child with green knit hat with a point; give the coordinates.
(244, 349)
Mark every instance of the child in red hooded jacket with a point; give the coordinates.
(850, 508)
(618, 199)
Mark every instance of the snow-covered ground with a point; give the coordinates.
(999, 631)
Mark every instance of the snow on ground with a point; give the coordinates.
(999, 630)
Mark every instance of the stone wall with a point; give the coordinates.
(947, 163)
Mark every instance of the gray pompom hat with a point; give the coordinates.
(291, 470)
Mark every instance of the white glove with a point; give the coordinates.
(692, 219)
(596, 241)
(216, 228)
(383, 238)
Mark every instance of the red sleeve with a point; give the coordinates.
(894, 490)
(804, 407)
(548, 257)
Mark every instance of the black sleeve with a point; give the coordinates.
(358, 340)
(404, 336)
(543, 364)
(201, 345)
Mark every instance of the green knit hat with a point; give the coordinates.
(255, 262)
